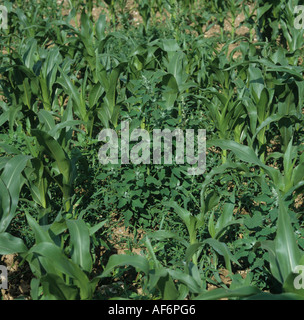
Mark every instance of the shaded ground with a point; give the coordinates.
(19, 278)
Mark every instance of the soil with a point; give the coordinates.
(19, 278)
(122, 239)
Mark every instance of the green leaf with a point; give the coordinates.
(11, 182)
(226, 219)
(246, 154)
(54, 288)
(80, 242)
(171, 90)
(96, 227)
(5, 203)
(211, 200)
(192, 250)
(29, 56)
(188, 219)
(115, 261)
(10, 244)
(186, 279)
(100, 26)
(12, 172)
(284, 253)
(266, 122)
(95, 93)
(72, 91)
(169, 45)
(221, 293)
(280, 296)
(167, 288)
(176, 67)
(256, 82)
(274, 264)
(222, 249)
(287, 250)
(111, 93)
(35, 283)
(211, 225)
(55, 150)
(162, 235)
(41, 235)
(47, 118)
(55, 257)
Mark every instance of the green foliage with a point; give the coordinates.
(64, 78)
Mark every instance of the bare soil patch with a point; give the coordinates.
(19, 278)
